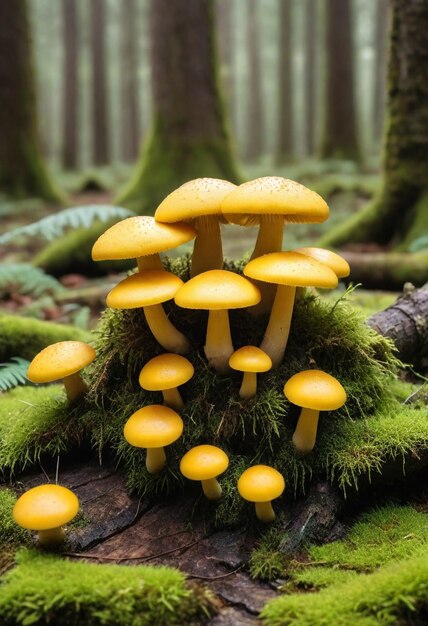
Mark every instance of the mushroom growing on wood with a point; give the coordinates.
(153, 427)
(288, 270)
(165, 373)
(250, 360)
(63, 360)
(142, 238)
(217, 291)
(46, 509)
(148, 289)
(198, 202)
(261, 484)
(314, 391)
(205, 463)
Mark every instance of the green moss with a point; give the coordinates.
(45, 589)
(25, 337)
(10, 533)
(267, 562)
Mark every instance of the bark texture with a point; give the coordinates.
(100, 127)
(22, 170)
(285, 122)
(70, 89)
(254, 102)
(340, 135)
(188, 137)
(129, 82)
(310, 75)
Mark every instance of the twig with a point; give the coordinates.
(215, 577)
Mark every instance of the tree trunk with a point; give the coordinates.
(340, 136)
(70, 89)
(225, 26)
(285, 125)
(379, 74)
(399, 213)
(129, 82)
(188, 137)
(22, 169)
(310, 75)
(254, 122)
(100, 126)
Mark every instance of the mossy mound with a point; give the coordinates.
(45, 589)
(11, 535)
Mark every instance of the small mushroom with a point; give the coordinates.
(333, 260)
(46, 509)
(142, 238)
(63, 360)
(153, 427)
(314, 391)
(165, 373)
(261, 484)
(205, 463)
(250, 360)
(148, 289)
(217, 291)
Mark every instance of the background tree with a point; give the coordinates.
(188, 137)
(22, 170)
(310, 95)
(130, 125)
(254, 97)
(285, 122)
(70, 90)
(340, 137)
(225, 34)
(380, 67)
(100, 126)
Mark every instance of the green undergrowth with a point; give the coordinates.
(46, 589)
(11, 535)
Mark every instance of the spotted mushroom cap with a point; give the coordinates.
(60, 360)
(144, 288)
(45, 507)
(333, 260)
(315, 389)
(204, 462)
(166, 371)
(291, 268)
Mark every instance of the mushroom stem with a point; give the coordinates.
(305, 435)
(172, 398)
(164, 331)
(75, 386)
(249, 385)
(218, 344)
(51, 537)
(155, 460)
(278, 328)
(207, 249)
(211, 488)
(150, 262)
(265, 512)
(269, 239)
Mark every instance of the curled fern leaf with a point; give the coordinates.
(14, 373)
(25, 279)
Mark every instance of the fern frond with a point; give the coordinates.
(14, 373)
(26, 279)
(53, 226)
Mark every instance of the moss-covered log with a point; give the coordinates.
(388, 270)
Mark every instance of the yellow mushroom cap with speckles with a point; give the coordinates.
(261, 483)
(140, 236)
(216, 290)
(165, 371)
(315, 389)
(333, 260)
(273, 195)
(250, 359)
(153, 426)
(204, 462)
(144, 288)
(291, 268)
(60, 360)
(202, 196)
(45, 507)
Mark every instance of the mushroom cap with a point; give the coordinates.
(153, 426)
(250, 359)
(60, 360)
(165, 371)
(273, 195)
(204, 462)
(45, 507)
(291, 268)
(216, 290)
(261, 483)
(139, 236)
(333, 260)
(144, 288)
(202, 196)
(315, 389)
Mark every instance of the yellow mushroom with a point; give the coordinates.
(148, 289)
(205, 463)
(261, 484)
(288, 270)
(217, 291)
(165, 373)
(142, 238)
(333, 260)
(314, 391)
(251, 361)
(63, 360)
(46, 509)
(198, 202)
(153, 427)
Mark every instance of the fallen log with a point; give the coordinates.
(387, 270)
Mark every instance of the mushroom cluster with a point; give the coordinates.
(271, 277)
